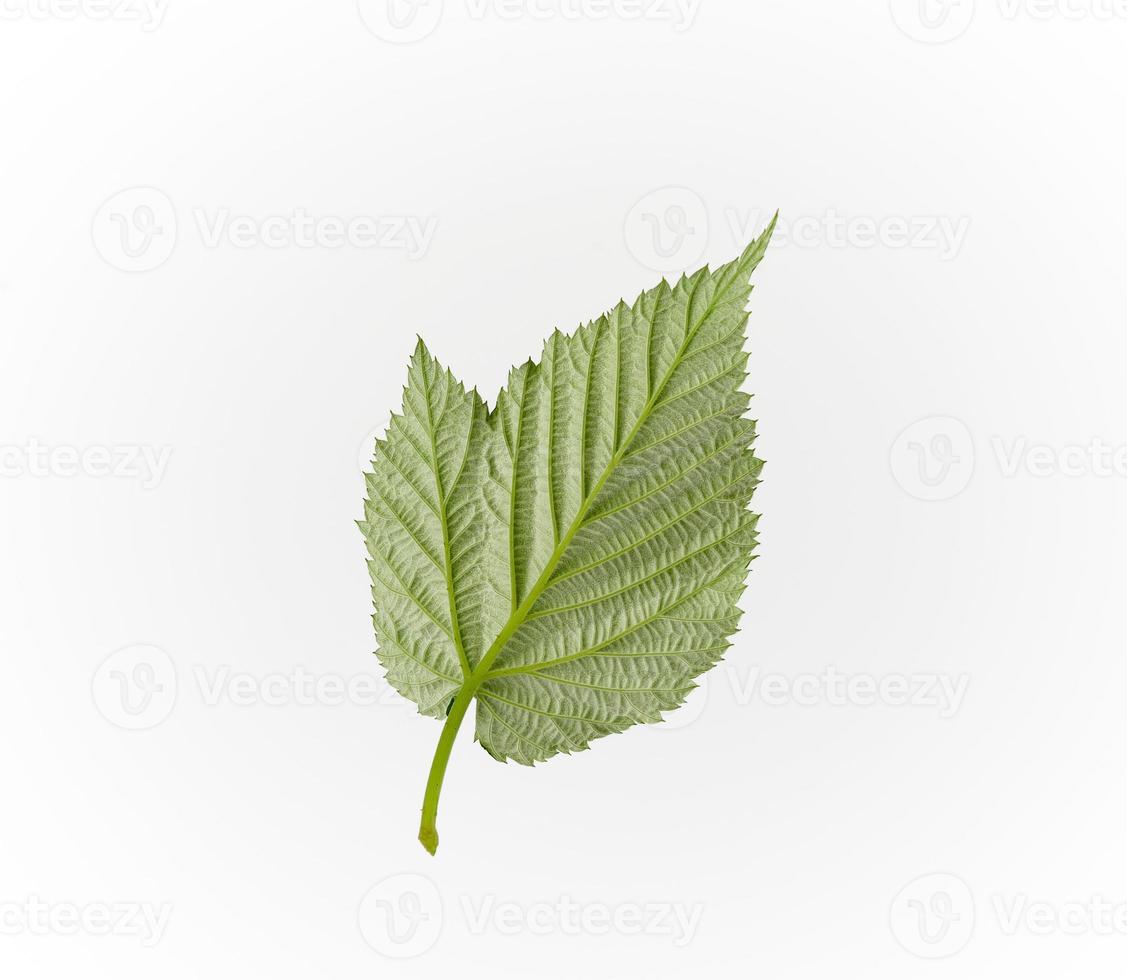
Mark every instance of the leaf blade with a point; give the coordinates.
(421, 530)
(694, 349)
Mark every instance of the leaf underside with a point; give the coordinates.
(577, 552)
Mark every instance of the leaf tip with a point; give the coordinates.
(428, 837)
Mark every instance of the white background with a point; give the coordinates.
(545, 147)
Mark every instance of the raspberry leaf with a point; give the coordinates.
(572, 559)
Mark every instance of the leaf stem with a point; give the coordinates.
(428, 833)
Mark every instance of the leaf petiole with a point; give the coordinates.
(428, 833)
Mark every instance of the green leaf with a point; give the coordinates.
(572, 559)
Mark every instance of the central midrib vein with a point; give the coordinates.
(440, 493)
(517, 618)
